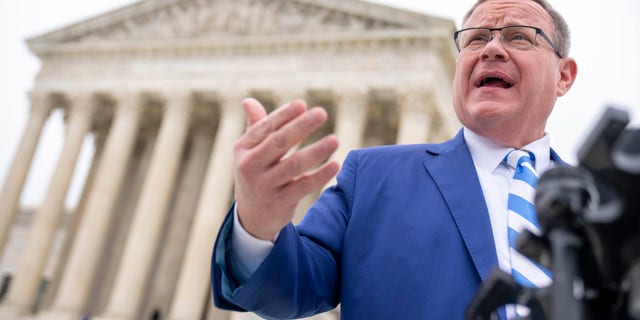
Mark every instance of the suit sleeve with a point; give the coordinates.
(301, 275)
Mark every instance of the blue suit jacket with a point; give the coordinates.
(405, 234)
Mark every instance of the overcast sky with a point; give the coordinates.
(605, 44)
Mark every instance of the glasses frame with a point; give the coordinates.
(492, 30)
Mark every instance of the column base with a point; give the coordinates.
(107, 317)
(8, 311)
(113, 316)
(59, 315)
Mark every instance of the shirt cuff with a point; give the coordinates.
(248, 252)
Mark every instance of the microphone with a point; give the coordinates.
(565, 196)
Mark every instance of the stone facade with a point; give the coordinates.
(158, 86)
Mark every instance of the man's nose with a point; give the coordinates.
(494, 50)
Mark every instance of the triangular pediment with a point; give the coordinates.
(154, 20)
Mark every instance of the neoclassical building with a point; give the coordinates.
(157, 86)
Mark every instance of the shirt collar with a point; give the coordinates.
(488, 155)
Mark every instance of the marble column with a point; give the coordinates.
(191, 290)
(122, 215)
(447, 125)
(17, 174)
(142, 241)
(415, 122)
(99, 137)
(351, 118)
(75, 286)
(24, 289)
(181, 219)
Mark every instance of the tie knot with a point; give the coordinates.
(516, 158)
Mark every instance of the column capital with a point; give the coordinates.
(82, 104)
(178, 103)
(230, 99)
(351, 103)
(178, 96)
(357, 94)
(40, 103)
(129, 102)
(414, 99)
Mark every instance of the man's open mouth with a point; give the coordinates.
(493, 81)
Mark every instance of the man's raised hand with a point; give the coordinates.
(268, 184)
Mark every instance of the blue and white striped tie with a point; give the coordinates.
(522, 216)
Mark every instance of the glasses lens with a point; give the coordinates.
(518, 37)
(473, 39)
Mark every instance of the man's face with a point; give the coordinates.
(507, 94)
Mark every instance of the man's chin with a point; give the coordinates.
(488, 108)
(492, 94)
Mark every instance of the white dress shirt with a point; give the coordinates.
(495, 178)
(248, 251)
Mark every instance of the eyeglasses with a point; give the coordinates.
(514, 37)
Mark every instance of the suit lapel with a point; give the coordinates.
(452, 169)
(556, 158)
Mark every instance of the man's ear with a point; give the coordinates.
(568, 69)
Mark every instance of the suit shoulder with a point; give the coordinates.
(390, 150)
(408, 149)
(385, 156)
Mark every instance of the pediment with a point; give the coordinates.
(157, 20)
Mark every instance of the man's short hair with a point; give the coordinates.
(561, 34)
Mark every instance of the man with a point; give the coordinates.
(408, 232)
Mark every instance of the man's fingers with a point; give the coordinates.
(254, 111)
(261, 127)
(302, 161)
(304, 185)
(278, 143)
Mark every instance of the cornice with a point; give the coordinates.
(434, 40)
(248, 45)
